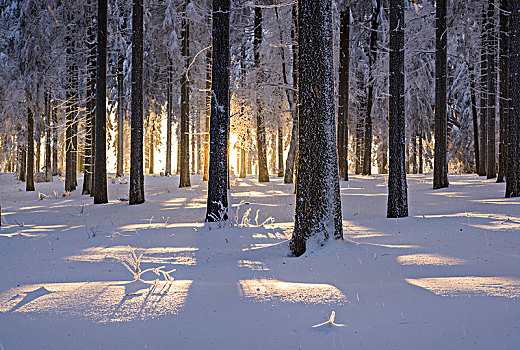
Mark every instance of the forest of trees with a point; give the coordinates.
(310, 90)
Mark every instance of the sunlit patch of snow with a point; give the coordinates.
(156, 255)
(100, 302)
(271, 290)
(508, 287)
(429, 259)
(253, 265)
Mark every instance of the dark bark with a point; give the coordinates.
(261, 140)
(293, 143)
(37, 154)
(491, 102)
(483, 96)
(23, 163)
(151, 148)
(100, 174)
(29, 181)
(475, 123)
(513, 125)
(48, 172)
(217, 203)
(54, 142)
(397, 205)
(420, 153)
(169, 120)
(205, 175)
(414, 154)
(184, 168)
(503, 92)
(120, 114)
(359, 137)
(136, 195)
(343, 100)
(318, 202)
(440, 165)
(372, 57)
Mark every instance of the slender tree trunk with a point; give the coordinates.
(54, 142)
(344, 78)
(280, 151)
(217, 203)
(359, 139)
(100, 179)
(136, 150)
(48, 173)
(205, 175)
(151, 148)
(29, 183)
(372, 57)
(242, 163)
(491, 76)
(513, 125)
(397, 187)
(37, 154)
(185, 108)
(504, 91)
(318, 202)
(414, 154)
(23, 163)
(169, 121)
(483, 96)
(440, 165)
(420, 153)
(120, 115)
(475, 123)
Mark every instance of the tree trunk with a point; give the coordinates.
(440, 165)
(414, 154)
(23, 163)
(475, 123)
(37, 154)
(136, 195)
(491, 103)
(344, 77)
(169, 120)
(54, 143)
(100, 179)
(217, 203)
(372, 57)
(318, 202)
(48, 173)
(397, 205)
(504, 91)
(70, 171)
(513, 125)
(205, 175)
(483, 96)
(185, 108)
(29, 183)
(120, 115)
(151, 148)
(420, 153)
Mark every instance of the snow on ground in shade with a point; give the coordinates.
(447, 277)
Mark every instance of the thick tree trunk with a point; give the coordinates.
(318, 202)
(185, 108)
(483, 96)
(217, 203)
(397, 205)
(344, 79)
(372, 57)
(100, 179)
(169, 120)
(29, 182)
(136, 195)
(491, 76)
(440, 165)
(513, 125)
(261, 140)
(504, 88)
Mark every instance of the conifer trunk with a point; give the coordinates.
(344, 74)
(48, 172)
(504, 88)
(120, 115)
(475, 123)
(169, 120)
(29, 182)
(491, 102)
(184, 168)
(483, 96)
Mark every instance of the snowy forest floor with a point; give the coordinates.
(446, 277)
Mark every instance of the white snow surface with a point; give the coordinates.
(447, 277)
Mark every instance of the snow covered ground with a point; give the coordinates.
(447, 277)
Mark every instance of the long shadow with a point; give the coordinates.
(30, 296)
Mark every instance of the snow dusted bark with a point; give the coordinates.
(475, 122)
(344, 74)
(169, 120)
(367, 140)
(136, 195)
(513, 125)
(100, 174)
(23, 163)
(48, 173)
(205, 175)
(263, 173)
(184, 167)
(440, 166)
(504, 85)
(491, 166)
(318, 202)
(70, 171)
(217, 204)
(120, 113)
(397, 205)
(483, 95)
(29, 181)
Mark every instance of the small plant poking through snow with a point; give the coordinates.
(330, 322)
(220, 216)
(133, 265)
